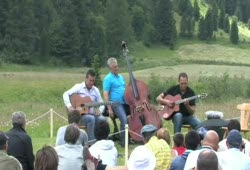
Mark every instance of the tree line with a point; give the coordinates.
(72, 32)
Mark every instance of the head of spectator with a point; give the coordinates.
(19, 119)
(3, 141)
(207, 160)
(202, 132)
(192, 140)
(102, 130)
(71, 134)
(163, 133)
(141, 158)
(211, 139)
(147, 132)
(46, 159)
(74, 117)
(233, 124)
(234, 139)
(178, 139)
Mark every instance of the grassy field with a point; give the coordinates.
(35, 90)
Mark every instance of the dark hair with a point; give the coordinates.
(207, 160)
(147, 135)
(102, 130)
(91, 73)
(182, 75)
(178, 139)
(192, 140)
(46, 159)
(74, 117)
(71, 134)
(233, 124)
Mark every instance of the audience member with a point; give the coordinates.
(192, 141)
(73, 117)
(215, 122)
(70, 154)
(20, 144)
(235, 124)
(159, 147)
(233, 158)
(142, 158)
(207, 160)
(179, 143)
(46, 159)
(7, 162)
(103, 148)
(210, 141)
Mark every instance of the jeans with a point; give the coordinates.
(119, 110)
(90, 120)
(179, 120)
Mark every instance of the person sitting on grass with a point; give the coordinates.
(103, 148)
(70, 154)
(73, 117)
(179, 143)
(46, 159)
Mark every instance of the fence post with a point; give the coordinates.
(51, 123)
(126, 144)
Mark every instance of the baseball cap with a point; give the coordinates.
(141, 158)
(234, 138)
(148, 128)
(3, 138)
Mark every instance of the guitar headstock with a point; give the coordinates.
(202, 95)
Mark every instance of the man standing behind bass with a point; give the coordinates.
(185, 115)
(113, 90)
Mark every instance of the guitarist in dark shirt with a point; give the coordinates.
(185, 112)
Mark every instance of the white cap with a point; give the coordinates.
(141, 158)
(214, 114)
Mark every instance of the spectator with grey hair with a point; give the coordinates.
(70, 154)
(233, 158)
(6, 161)
(113, 90)
(207, 160)
(20, 144)
(46, 159)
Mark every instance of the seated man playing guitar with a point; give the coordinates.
(80, 97)
(182, 111)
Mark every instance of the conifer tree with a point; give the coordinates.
(196, 11)
(202, 33)
(234, 32)
(226, 24)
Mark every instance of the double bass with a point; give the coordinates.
(137, 97)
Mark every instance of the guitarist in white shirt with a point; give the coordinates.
(86, 90)
(184, 114)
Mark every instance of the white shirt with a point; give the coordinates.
(191, 161)
(83, 137)
(106, 151)
(70, 157)
(83, 91)
(233, 159)
(223, 146)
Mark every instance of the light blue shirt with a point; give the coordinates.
(83, 137)
(115, 86)
(83, 91)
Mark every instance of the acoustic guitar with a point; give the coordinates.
(168, 112)
(82, 104)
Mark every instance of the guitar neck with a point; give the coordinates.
(186, 99)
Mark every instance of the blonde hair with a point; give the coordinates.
(111, 61)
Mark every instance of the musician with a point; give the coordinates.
(85, 89)
(113, 90)
(185, 115)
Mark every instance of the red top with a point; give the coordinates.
(180, 150)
